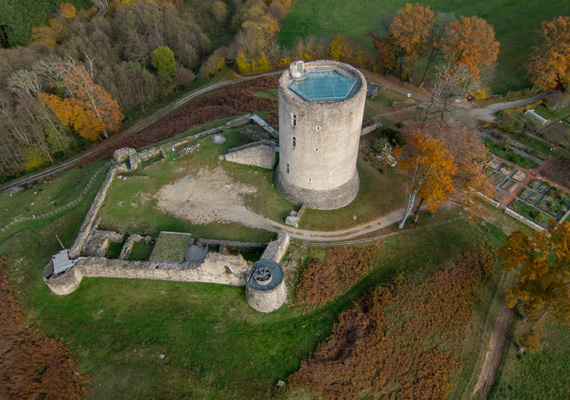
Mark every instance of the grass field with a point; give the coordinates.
(541, 375)
(130, 207)
(170, 247)
(51, 194)
(514, 23)
(379, 194)
(211, 340)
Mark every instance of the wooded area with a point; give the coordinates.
(87, 68)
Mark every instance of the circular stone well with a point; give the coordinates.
(265, 289)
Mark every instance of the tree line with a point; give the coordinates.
(86, 68)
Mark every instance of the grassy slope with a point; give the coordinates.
(541, 375)
(212, 341)
(514, 23)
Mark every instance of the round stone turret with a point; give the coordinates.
(265, 288)
(321, 106)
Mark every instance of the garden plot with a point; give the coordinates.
(503, 177)
(541, 202)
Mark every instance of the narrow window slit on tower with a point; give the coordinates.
(294, 142)
(287, 167)
(294, 120)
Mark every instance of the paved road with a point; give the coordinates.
(487, 113)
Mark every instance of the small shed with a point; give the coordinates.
(536, 116)
(371, 90)
(61, 262)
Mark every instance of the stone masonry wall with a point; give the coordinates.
(260, 154)
(524, 220)
(276, 249)
(216, 268)
(89, 221)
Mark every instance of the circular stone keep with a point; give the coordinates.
(320, 120)
(265, 288)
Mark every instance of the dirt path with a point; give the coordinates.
(211, 195)
(494, 352)
(396, 85)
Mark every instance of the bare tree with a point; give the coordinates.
(451, 82)
(27, 81)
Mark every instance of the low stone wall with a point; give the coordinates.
(88, 222)
(215, 268)
(489, 200)
(268, 128)
(97, 243)
(259, 154)
(276, 249)
(230, 124)
(564, 217)
(229, 243)
(523, 219)
(184, 151)
(130, 242)
(367, 129)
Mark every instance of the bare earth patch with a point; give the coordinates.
(208, 196)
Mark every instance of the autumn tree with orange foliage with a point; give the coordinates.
(52, 34)
(87, 102)
(72, 112)
(410, 32)
(469, 155)
(471, 43)
(543, 282)
(429, 168)
(550, 62)
(67, 10)
(417, 33)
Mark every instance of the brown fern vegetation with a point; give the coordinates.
(399, 341)
(321, 281)
(31, 367)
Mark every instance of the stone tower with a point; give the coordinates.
(321, 105)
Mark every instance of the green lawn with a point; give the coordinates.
(170, 247)
(514, 23)
(211, 340)
(379, 194)
(541, 375)
(131, 207)
(382, 103)
(51, 194)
